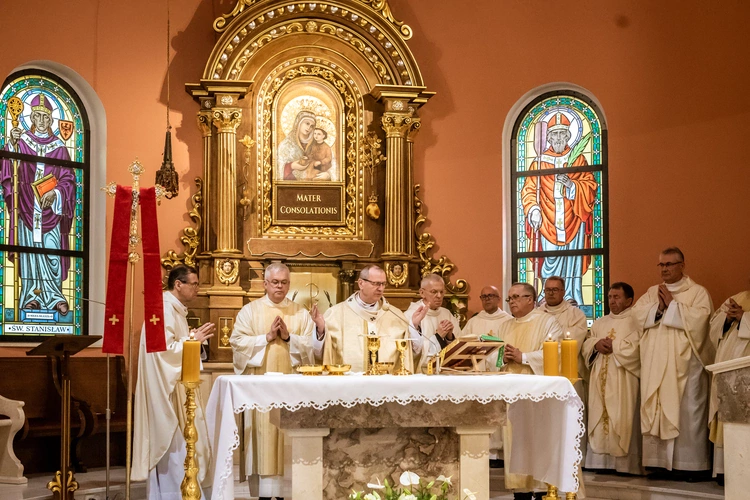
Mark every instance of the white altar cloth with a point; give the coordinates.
(546, 413)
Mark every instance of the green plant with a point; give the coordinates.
(412, 489)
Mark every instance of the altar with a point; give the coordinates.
(315, 412)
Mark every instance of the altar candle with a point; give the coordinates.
(569, 357)
(191, 360)
(551, 357)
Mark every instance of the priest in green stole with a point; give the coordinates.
(341, 332)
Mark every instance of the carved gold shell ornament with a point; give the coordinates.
(227, 270)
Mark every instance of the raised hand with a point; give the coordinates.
(419, 315)
(203, 332)
(281, 328)
(734, 311)
(317, 318)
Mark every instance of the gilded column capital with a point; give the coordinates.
(414, 126)
(226, 119)
(396, 124)
(204, 123)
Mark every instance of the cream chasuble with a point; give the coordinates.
(613, 403)
(429, 327)
(159, 404)
(528, 335)
(252, 354)
(484, 323)
(572, 320)
(674, 386)
(347, 324)
(732, 344)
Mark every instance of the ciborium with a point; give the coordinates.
(373, 346)
(401, 345)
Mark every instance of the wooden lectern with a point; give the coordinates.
(467, 355)
(64, 346)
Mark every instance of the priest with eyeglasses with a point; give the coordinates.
(488, 320)
(340, 336)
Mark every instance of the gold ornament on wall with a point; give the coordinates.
(245, 201)
(397, 273)
(227, 270)
(225, 328)
(371, 159)
(190, 236)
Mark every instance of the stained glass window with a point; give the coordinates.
(44, 174)
(559, 198)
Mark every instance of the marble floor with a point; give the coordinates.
(598, 487)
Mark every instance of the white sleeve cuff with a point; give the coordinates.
(524, 359)
(743, 331)
(317, 345)
(672, 317)
(417, 340)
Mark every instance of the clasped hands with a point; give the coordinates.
(512, 354)
(665, 298)
(604, 346)
(278, 330)
(734, 311)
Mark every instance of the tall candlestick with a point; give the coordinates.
(569, 357)
(551, 357)
(191, 360)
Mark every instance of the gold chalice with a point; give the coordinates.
(401, 345)
(310, 369)
(384, 367)
(373, 345)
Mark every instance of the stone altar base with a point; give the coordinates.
(339, 449)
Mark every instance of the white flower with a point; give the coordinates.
(372, 496)
(409, 479)
(404, 496)
(444, 479)
(469, 494)
(377, 486)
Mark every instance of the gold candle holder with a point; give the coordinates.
(551, 493)
(373, 346)
(401, 346)
(571, 496)
(190, 488)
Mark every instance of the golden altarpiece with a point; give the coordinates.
(309, 112)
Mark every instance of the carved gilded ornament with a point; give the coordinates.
(397, 273)
(190, 236)
(340, 82)
(364, 29)
(226, 119)
(225, 330)
(396, 124)
(379, 6)
(372, 157)
(227, 270)
(204, 123)
(245, 201)
(443, 267)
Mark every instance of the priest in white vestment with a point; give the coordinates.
(524, 336)
(730, 334)
(159, 411)
(488, 320)
(612, 352)
(271, 334)
(340, 336)
(675, 348)
(572, 320)
(439, 327)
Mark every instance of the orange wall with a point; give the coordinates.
(670, 76)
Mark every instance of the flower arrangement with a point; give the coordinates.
(413, 489)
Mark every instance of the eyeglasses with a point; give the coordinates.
(435, 293)
(194, 284)
(489, 296)
(277, 282)
(667, 265)
(376, 284)
(514, 298)
(553, 290)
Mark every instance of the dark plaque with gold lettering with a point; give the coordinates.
(302, 203)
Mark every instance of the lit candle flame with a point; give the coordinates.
(567, 335)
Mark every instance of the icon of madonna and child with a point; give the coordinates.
(307, 152)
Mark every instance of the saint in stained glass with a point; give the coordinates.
(558, 199)
(42, 238)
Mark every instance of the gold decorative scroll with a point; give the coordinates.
(397, 273)
(227, 270)
(190, 236)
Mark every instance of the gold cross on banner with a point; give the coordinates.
(154, 319)
(114, 320)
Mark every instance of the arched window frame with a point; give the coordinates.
(89, 101)
(510, 179)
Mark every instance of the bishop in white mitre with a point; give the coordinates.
(675, 348)
(271, 334)
(438, 327)
(730, 334)
(159, 405)
(488, 320)
(612, 353)
(341, 333)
